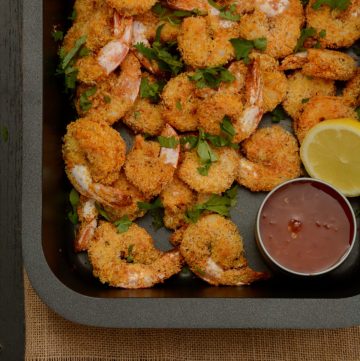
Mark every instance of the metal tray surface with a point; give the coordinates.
(64, 281)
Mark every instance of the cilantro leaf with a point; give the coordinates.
(57, 35)
(243, 47)
(322, 33)
(211, 77)
(73, 15)
(151, 90)
(130, 258)
(72, 53)
(333, 4)
(174, 17)
(216, 204)
(305, 33)
(156, 211)
(278, 114)
(227, 127)
(149, 206)
(168, 142)
(102, 212)
(305, 100)
(123, 224)
(230, 13)
(204, 170)
(178, 105)
(84, 102)
(74, 199)
(215, 5)
(189, 141)
(107, 99)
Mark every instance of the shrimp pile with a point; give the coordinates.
(192, 80)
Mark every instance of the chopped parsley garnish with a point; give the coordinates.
(305, 33)
(168, 142)
(227, 127)
(189, 141)
(305, 100)
(123, 224)
(137, 115)
(178, 105)
(333, 4)
(205, 153)
(322, 33)
(84, 102)
(174, 17)
(226, 12)
(102, 212)
(243, 47)
(4, 134)
(200, 271)
(216, 204)
(156, 210)
(211, 77)
(74, 199)
(72, 53)
(57, 35)
(278, 114)
(130, 258)
(165, 54)
(107, 99)
(357, 110)
(73, 15)
(150, 90)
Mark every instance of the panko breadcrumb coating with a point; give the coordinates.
(145, 117)
(351, 92)
(132, 210)
(97, 146)
(214, 251)
(131, 7)
(300, 88)
(320, 108)
(176, 198)
(278, 21)
(129, 259)
(204, 41)
(342, 26)
(221, 174)
(115, 95)
(271, 156)
(179, 103)
(145, 169)
(321, 63)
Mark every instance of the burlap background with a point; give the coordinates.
(51, 338)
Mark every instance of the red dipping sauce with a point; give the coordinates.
(306, 226)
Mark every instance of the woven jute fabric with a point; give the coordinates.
(49, 337)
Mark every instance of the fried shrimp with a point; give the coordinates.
(279, 21)
(320, 108)
(131, 7)
(221, 174)
(114, 96)
(129, 259)
(131, 210)
(87, 214)
(301, 88)
(271, 156)
(150, 167)
(214, 251)
(211, 36)
(351, 92)
(342, 26)
(321, 63)
(145, 117)
(179, 103)
(176, 198)
(94, 154)
(245, 118)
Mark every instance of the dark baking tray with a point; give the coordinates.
(63, 280)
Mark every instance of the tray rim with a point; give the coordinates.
(150, 313)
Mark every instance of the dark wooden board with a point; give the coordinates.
(11, 282)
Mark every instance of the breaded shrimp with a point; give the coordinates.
(180, 102)
(245, 118)
(351, 92)
(321, 63)
(342, 26)
(87, 214)
(129, 259)
(320, 108)
(149, 167)
(131, 210)
(176, 198)
(115, 95)
(145, 117)
(221, 174)
(214, 251)
(279, 21)
(211, 36)
(271, 156)
(131, 7)
(301, 88)
(94, 154)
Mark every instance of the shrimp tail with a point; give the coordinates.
(170, 155)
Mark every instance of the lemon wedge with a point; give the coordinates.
(331, 152)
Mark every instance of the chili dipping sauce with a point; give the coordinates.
(306, 226)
